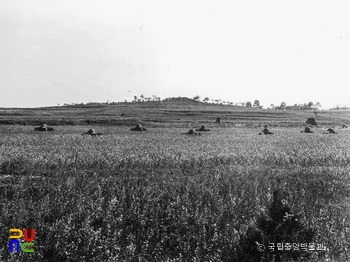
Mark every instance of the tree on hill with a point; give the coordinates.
(256, 103)
(248, 104)
(310, 104)
(283, 105)
(196, 98)
(205, 100)
(142, 97)
(241, 104)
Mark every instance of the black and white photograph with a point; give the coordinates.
(174, 131)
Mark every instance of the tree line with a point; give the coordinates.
(256, 104)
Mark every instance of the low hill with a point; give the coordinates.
(171, 111)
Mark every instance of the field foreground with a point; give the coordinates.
(163, 196)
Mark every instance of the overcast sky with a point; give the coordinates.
(72, 51)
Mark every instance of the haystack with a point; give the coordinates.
(192, 132)
(311, 121)
(265, 131)
(92, 132)
(307, 130)
(203, 128)
(330, 131)
(43, 127)
(138, 127)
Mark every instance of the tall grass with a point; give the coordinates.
(162, 196)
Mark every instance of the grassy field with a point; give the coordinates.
(178, 112)
(162, 196)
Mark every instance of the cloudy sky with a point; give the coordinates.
(65, 51)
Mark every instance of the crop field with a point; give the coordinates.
(163, 196)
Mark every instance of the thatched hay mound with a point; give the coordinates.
(330, 131)
(265, 131)
(92, 132)
(138, 127)
(203, 128)
(218, 120)
(311, 121)
(43, 127)
(307, 130)
(192, 132)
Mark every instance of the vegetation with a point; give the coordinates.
(179, 112)
(283, 106)
(161, 196)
